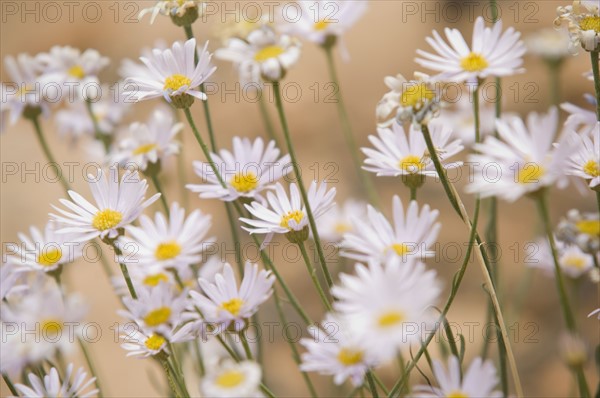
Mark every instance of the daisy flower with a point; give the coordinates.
(374, 238)
(287, 215)
(117, 205)
(232, 380)
(172, 75)
(582, 20)
(549, 44)
(584, 162)
(222, 302)
(523, 160)
(492, 53)
(480, 380)
(572, 260)
(264, 55)
(414, 100)
(388, 305)
(399, 154)
(338, 220)
(334, 350)
(182, 12)
(46, 250)
(73, 385)
(149, 143)
(581, 229)
(581, 119)
(142, 345)
(157, 309)
(176, 242)
(249, 170)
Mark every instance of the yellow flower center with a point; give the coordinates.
(577, 262)
(349, 357)
(295, 215)
(531, 173)
(230, 379)
(321, 25)
(267, 53)
(143, 149)
(167, 250)
(591, 168)
(244, 182)
(590, 23)
(233, 306)
(457, 394)
(400, 248)
(52, 328)
(411, 164)
(176, 81)
(77, 72)
(474, 63)
(342, 227)
(416, 95)
(154, 342)
(589, 227)
(157, 316)
(154, 280)
(106, 219)
(390, 319)
(48, 258)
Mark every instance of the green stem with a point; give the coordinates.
(347, 129)
(372, 385)
(105, 139)
(554, 68)
(10, 385)
(178, 370)
(598, 199)
(172, 384)
(413, 193)
(90, 364)
(40, 135)
(125, 272)
(596, 71)
(246, 346)
(264, 113)
(236, 238)
(163, 198)
(313, 276)
(298, 173)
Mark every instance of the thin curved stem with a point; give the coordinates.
(246, 346)
(125, 273)
(313, 276)
(10, 385)
(90, 364)
(372, 385)
(264, 113)
(40, 135)
(596, 72)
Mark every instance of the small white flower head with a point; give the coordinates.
(249, 170)
(288, 215)
(523, 160)
(388, 306)
(493, 53)
(45, 251)
(584, 162)
(415, 101)
(582, 20)
(142, 344)
(147, 145)
(117, 204)
(480, 380)
(573, 261)
(223, 303)
(573, 349)
(25, 95)
(157, 309)
(232, 26)
(229, 379)
(324, 21)
(410, 235)
(166, 243)
(338, 220)
(581, 119)
(549, 44)
(172, 75)
(263, 56)
(72, 70)
(335, 350)
(72, 385)
(399, 154)
(182, 12)
(582, 230)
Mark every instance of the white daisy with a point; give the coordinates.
(149, 143)
(584, 162)
(582, 20)
(480, 380)
(46, 250)
(389, 306)
(222, 302)
(182, 12)
(335, 350)
(173, 75)
(415, 101)
(399, 154)
(232, 380)
(581, 119)
(264, 55)
(549, 44)
(176, 242)
(142, 345)
(375, 239)
(117, 205)
(337, 221)
(492, 53)
(572, 260)
(581, 229)
(523, 160)
(72, 385)
(288, 215)
(248, 171)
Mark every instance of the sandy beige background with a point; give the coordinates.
(382, 43)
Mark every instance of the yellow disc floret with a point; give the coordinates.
(167, 250)
(244, 182)
(158, 316)
(176, 81)
(230, 379)
(416, 95)
(49, 257)
(592, 168)
(267, 53)
(474, 63)
(390, 319)
(349, 357)
(233, 306)
(106, 219)
(154, 342)
(295, 215)
(590, 23)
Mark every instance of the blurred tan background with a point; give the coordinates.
(382, 43)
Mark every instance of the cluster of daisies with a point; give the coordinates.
(179, 301)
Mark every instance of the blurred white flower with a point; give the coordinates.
(72, 385)
(229, 379)
(549, 44)
(338, 220)
(584, 162)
